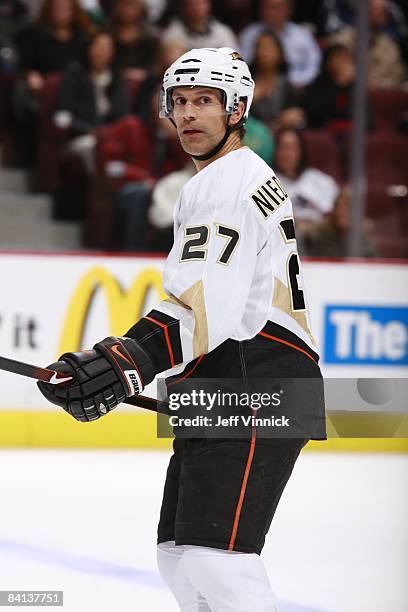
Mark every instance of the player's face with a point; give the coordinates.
(200, 118)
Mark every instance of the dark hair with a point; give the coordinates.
(258, 8)
(331, 51)
(80, 20)
(90, 41)
(143, 21)
(283, 66)
(241, 132)
(303, 157)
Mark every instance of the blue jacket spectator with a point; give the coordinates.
(301, 50)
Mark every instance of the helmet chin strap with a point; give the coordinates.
(218, 147)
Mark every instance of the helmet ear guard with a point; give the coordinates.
(244, 117)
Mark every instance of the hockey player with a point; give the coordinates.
(236, 308)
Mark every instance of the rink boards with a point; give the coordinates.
(55, 303)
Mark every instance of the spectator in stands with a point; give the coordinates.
(47, 45)
(164, 196)
(91, 95)
(328, 100)
(34, 6)
(13, 14)
(153, 8)
(168, 52)
(275, 100)
(301, 50)
(258, 137)
(237, 13)
(330, 238)
(95, 11)
(387, 17)
(385, 66)
(324, 17)
(196, 27)
(133, 155)
(126, 159)
(312, 192)
(136, 43)
(316, 14)
(53, 41)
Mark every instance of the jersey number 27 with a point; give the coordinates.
(198, 237)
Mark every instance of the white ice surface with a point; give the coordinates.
(85, 522)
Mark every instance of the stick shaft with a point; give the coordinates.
(32, 371)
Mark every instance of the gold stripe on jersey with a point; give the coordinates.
(269, 196)
(194, 298)
(173, 300)
(282, 300)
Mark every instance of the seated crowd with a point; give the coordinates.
(79, 87)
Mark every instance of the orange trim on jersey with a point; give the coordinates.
(173, 382)
(243, 488)
(166, 335)
(261, 333)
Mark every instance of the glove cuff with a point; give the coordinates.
(129, 360)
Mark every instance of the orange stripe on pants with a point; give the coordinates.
(243, 488)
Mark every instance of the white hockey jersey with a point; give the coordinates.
(234, 264)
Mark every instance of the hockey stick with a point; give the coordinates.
(56, 378)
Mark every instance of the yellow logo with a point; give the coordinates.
(125, 306)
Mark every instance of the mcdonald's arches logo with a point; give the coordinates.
(124, 305)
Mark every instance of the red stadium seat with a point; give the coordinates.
(387, 196)
(322, 153)
(389, 239)
(388, 106)
(133, 86)
(49, 137)
(384, 200)
(47, 156)
(8, 154)
(386, 158)
(387, 206)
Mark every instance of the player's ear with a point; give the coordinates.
(237, 115)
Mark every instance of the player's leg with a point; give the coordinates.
(165, 530)
(225, 506)
(229, 581)
(168, 555)
(229, 491)
(173, 571)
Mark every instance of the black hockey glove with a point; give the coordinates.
(103, 377)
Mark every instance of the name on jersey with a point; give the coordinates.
(269, 196)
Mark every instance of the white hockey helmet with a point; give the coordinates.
(221, 68)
